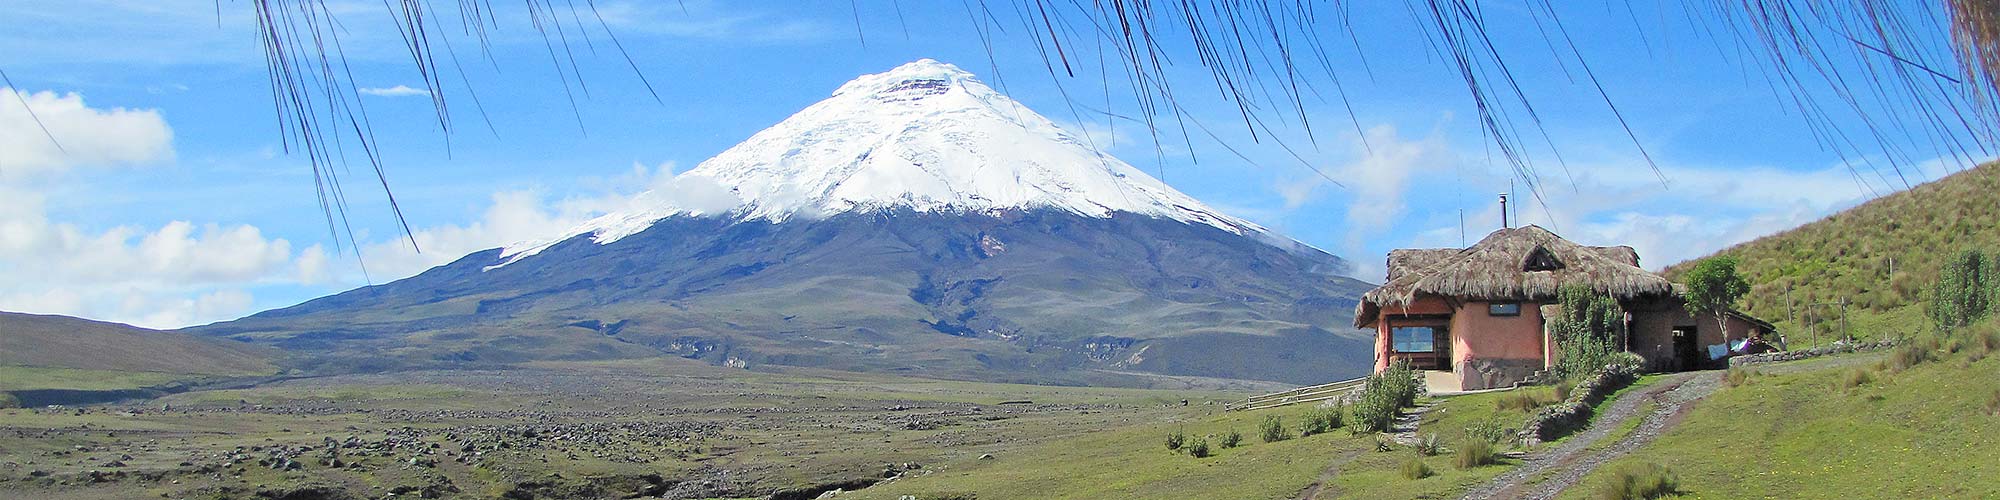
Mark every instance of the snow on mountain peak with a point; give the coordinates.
(926, 136)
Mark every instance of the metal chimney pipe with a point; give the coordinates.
(1503, 211)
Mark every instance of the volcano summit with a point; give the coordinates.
(916, 221)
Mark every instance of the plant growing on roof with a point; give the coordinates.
(1713, 288)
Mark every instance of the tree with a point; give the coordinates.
(1964, 291)
(1713, 288)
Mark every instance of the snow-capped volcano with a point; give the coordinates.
(916, 222)
(927, 137)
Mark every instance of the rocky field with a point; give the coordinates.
(655, 428)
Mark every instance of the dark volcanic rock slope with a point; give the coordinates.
(1044, 297)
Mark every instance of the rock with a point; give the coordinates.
(988, 456)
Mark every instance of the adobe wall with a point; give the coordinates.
(1496, 351)
(1653, 324)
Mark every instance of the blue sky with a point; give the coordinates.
(172, 201)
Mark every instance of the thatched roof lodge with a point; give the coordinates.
(1473, 316)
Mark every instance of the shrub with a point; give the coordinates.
(1231, 439)
(1383, 445)
(9, 401)
(1912, 354)
(1585, 330)
(1736, 377)
(1959, 298)
(1523, 401)
(1176, 439)
(1562, 390)
(1273, 429)
(1993, 404)
(1429, 445)
(1381, 396)
(1640, 482)
(1474, 453)
(1199, 448)
(1321, 421)
(1414, 468)
(1856, 378)
(1491, 431)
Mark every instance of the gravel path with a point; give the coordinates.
(1573, 459)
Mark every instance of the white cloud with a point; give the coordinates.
(396, 91)
(177, 274)
(83, 136)
(1698, 210)
(174, 275)
(519, 216)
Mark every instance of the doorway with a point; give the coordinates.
(1687, 349)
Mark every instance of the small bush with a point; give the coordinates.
(1383, 445)
(1491, 431)
(1912, 354)
(1381, 397)
(1175, 440)
(1429, 445)
(1231, 439)
(1414, 468)
(1321, 421)
(1273, 429)
(1562, 390)
(1736, 377)
(1993, 404)
(1526, 401)
(1856, 378)
(8, 401)
(1199, 448)
(1474, 453)
(1640, 482)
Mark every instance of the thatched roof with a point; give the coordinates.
(1526, 263)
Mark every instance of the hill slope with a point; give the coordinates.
(1882, 255)
(46, 341)
(916, 221)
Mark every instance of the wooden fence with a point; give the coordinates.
(1308, 394)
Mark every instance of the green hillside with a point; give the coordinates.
(1881, 256)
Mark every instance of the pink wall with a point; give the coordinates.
(1486, 350)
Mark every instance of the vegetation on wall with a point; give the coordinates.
(1587, 330)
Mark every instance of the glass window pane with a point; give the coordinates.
(1503, 309)
(1413, 339)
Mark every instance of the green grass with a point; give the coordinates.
(1129, 462)
(15, 378)
(1795, 431)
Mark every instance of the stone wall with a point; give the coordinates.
(1837, 348)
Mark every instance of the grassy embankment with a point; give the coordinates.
(1871, 425)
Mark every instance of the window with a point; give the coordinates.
(1540, 259)
(1414, 339)
(1503, 309)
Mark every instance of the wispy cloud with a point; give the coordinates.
(396, 91)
